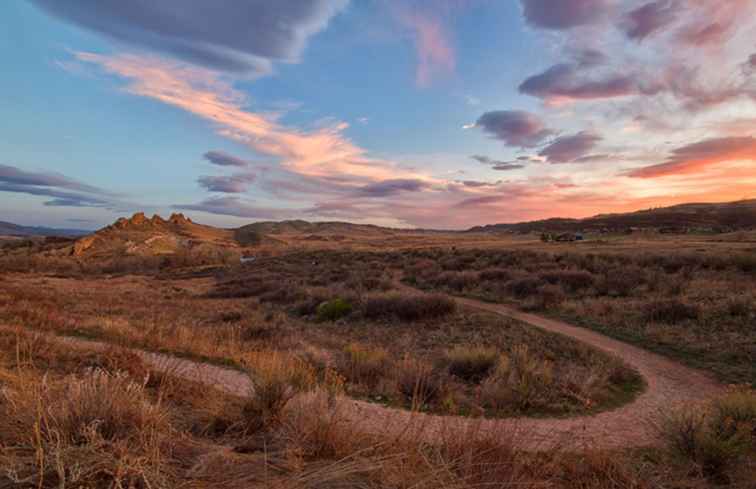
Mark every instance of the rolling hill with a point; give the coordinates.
(730, 216)
(10, 229)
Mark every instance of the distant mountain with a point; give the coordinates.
(10, 229)
(730, 216)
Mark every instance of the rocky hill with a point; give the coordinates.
(140, 235)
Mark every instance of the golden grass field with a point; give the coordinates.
(315, 322)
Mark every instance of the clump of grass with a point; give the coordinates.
(333, 310)
(276, 379)
(520, 382)
(471, 364)
(365, 365)
(417, 382)
(100, 429)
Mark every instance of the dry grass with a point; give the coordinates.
(696, 306)
(74, 426)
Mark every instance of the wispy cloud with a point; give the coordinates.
(324, 153)
(239, 37)
(701, 155)
(567, 149)
(64, 191)
(431, 27)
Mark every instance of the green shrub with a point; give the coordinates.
(333, 310)
(471, 363)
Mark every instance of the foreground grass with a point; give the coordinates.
(77, 418)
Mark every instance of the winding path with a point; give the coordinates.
(669, 385)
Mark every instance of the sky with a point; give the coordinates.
(439, 114)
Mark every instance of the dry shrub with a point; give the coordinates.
(456, 281)
(407, 308)
(524, 287)
(471, 363)
(549, 296)
(571, 280)
(417, 382)
(520, 382)
(496, 274)
(715, 438)
(275, 379)
(100, 430)
(670, 311)
(365, 365)
(314, 427)
(621, 281)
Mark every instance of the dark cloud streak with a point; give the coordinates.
(221, 158)
(568, 149)
(228, 35)
(514, 127)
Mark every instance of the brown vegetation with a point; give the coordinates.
(697, 307)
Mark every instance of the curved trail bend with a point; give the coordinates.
(669, 384)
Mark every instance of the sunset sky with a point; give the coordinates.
(409, 113)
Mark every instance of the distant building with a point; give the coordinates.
(247, 259)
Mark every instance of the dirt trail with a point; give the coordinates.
(669, 385)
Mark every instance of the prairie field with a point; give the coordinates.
(329, 342)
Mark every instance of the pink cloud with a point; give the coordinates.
(329, 176)
(321, 153)
(696, 157)
(430, 34)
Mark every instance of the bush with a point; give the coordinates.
(456, 281)
(670, 311)
(745, 263)
(569, 279)
(621, 281)
(407, 308)
(548, 296)
(716, 438)
(496, 274)
(333, 310)
(471, 363)
(524, 287)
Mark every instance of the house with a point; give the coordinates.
(246, 259)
